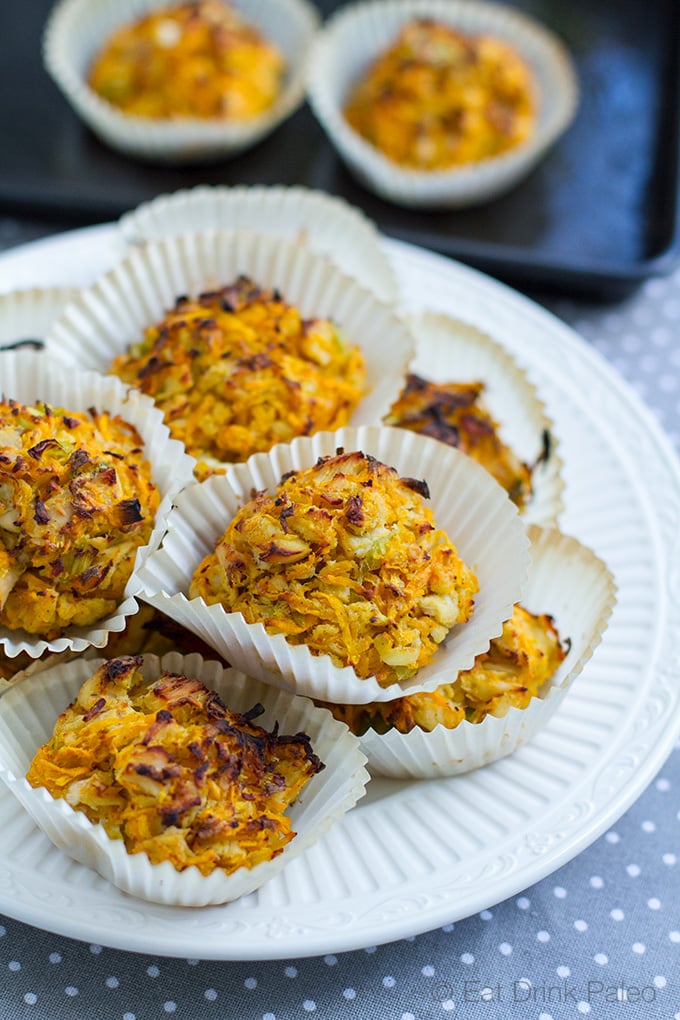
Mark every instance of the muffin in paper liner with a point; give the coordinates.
(467, 504)
(26, 315)
(358, 33)
(448, 350)
(76, 31)
(566, 580)
(325, 223)
(27, 716)
(105, 319)
(27, 377)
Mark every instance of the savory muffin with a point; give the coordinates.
(437, 99)
(165, 766)
(455, 414)
(509, 675)
(238, 369)
(77, 500)
(199, 59)
(346, 559)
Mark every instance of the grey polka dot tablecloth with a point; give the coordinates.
(600, 937)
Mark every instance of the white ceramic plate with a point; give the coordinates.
(412, 856)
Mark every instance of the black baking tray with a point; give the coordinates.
(598, 216)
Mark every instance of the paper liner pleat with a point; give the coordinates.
(467, 504)
(569, 582)
(27, 717)
(28, 377)
(28, 314)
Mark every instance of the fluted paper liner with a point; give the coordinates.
(76, 31)
(358, 33)
(325, 223)
(27, 376)
(566, 580)
(105, 319)
(27, 717)
(28, 314)
(466, 501)
(448, 350)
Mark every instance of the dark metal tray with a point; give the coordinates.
(598, 216)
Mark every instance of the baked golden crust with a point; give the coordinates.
(438, 99)
(163, 765)
(238, 369)
(455, 414)
(76, 502)
(509, 675)
(200, 59)
(346, 559)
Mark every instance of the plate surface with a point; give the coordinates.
(412, 856)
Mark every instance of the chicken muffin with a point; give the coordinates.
(346, 559)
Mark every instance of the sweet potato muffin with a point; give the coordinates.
(438, 99)
(165, 766)
(345, 558)
(199, 59)
(238, 369)
(510, 674)
(76, 502)
(455, 414)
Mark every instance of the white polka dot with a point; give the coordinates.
(448, 928)
(669, 859)
(407, 1016)
(193, 963)
(388, 981)
(654, 904)
(3, 930)
(613, 837)
(638, 947)
(545, 1016)
(648, 826)
(563, 972)
(633, 870)
(30, 998)
(505, 948)
(412, 938)
(428, 970)
(112, 982)
(169, 1006)
(129, 1016)
(581, 925)
(14, 965)
(660, 981)
(95, 949)
(523, 903)
(210, 994)
(290, 972)
(616, 914)
(596, 882)
(349, 993)
(153, 971)
(543, 936)
(630, 343)
(560, 892)
(583, 1007)
(663, 785)
(674, 936)
(448, 1005)
(250, 983)
(71, 991)
(268, 1016)
(601, 958)
(486, 915)
(309, 1006)
(330, 961)
(467, 959)
(55, 957)
(370, 949)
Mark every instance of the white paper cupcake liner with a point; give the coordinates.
(27, 717)
(566, 580)
(27, 376)
(28, 314)
(467, 503)
(76, 31)
(448, 350)
(358, 33)
(114, 313)
(326, 224)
